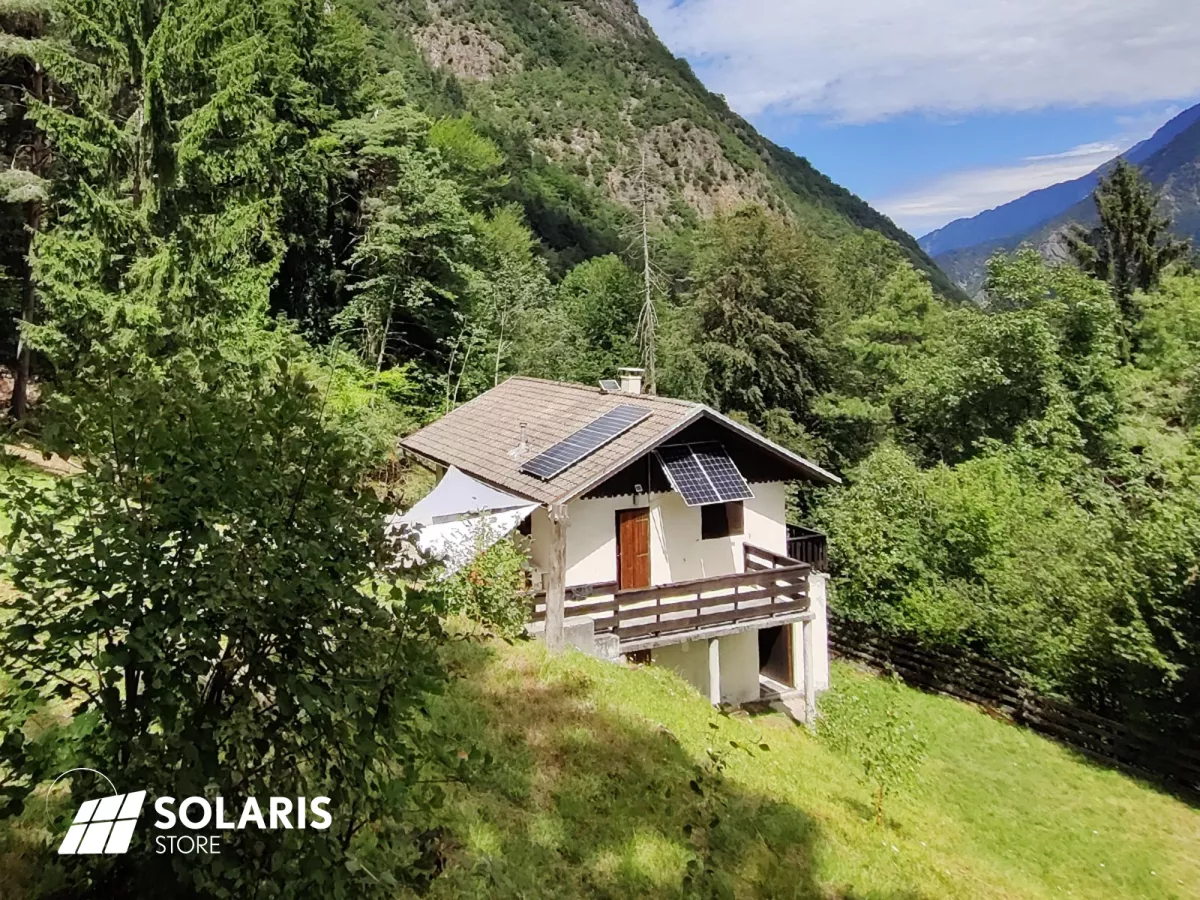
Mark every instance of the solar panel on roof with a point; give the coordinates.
(609, 384)
(703, 473)
(584, 442)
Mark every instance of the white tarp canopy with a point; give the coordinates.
(462, 517)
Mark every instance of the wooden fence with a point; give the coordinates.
(1002, 693)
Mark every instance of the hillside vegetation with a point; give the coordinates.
(588, 793)
(251, 244)
(589, 86)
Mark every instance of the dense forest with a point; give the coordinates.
(248, 245)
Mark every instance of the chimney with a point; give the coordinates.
(522, 449)
(631, 380)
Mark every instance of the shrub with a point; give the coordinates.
(492, 589)
(879, 734)
(212, 596)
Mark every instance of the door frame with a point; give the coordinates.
(644, 510)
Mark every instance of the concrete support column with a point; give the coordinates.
(556, 579)
(714, 671)
(810, 686)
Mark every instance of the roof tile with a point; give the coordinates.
(481, 436)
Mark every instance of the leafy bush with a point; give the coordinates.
(492, 589)
(213, 596)
(879, 733)
(985, 554)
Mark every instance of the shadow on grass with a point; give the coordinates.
(579, 802)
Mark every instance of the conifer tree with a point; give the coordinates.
(1132, 245)
(24, 25)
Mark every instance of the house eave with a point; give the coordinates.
(811, 470)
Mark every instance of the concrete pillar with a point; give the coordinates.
(818, 589)
(810, 686)
(714, 671)
(556, 579)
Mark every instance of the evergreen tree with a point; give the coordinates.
(1132, 245)
(24, 27)
(218, 569)
(756, 296)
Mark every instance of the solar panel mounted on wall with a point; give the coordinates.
(703, 473)
(684, 472)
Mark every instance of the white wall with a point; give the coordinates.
(689, 660)
(766, 517)
(817, 601)
(739, 668)
(676, 551)
(738, 654)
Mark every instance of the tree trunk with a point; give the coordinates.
(33, 222)
(20, 394)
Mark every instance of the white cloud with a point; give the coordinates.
(863, 60)
(1103, 149)
(968, 192)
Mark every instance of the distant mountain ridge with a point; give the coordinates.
(1170, 158)
(588, 85)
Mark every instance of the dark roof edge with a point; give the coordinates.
(817, 473)
(810, 469)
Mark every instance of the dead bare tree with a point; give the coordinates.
(647, 326)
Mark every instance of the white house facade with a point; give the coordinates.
(659, 531)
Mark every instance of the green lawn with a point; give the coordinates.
(12, 467)
(588, 795)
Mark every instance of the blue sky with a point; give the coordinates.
(935, 109)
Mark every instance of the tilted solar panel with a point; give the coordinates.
(584, 442)
(703, 473)
(610, 385)
(684, 472)
(724, 475)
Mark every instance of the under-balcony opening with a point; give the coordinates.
(775, 673)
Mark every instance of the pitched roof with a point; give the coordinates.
(481, 437)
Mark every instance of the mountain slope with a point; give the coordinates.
(587, 86)
(1170, 159)
(1036, 207)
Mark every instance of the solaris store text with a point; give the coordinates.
(198, 814)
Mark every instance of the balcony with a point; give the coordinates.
(808, 546)
(772, 587)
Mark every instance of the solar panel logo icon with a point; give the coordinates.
(584, 442)
(703, 473)
(104, 826)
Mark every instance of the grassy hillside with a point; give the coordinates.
(586, 85)
(12, 471)
(588, 795)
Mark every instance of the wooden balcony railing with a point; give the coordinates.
(808, 546)
(773, 585)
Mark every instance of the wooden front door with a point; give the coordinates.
(633, 548)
